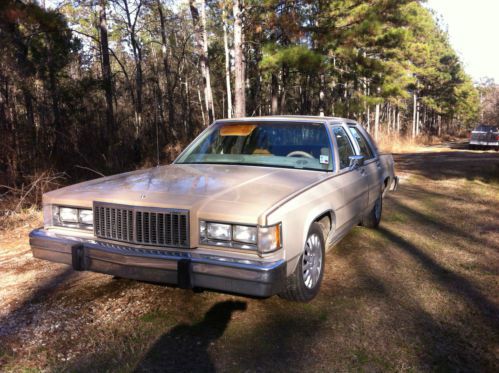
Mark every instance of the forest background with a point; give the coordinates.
(93, 87)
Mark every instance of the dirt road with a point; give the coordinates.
(421, 293)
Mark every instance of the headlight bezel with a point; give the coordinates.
(77, 223)
(258, 245)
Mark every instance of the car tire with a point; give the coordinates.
(373, 217)
(304, 284)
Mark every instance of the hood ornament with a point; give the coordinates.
(143, 196)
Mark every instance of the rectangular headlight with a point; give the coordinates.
(86, 217)
(72, 217)
(68, 215)
(237, 236)
(219, 231)
(244, 233)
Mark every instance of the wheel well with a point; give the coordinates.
(327, 221)
(386, 184)
(387, 180)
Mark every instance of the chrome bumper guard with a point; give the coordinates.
(184, 269)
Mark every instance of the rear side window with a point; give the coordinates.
(365, 149)
(345, 148)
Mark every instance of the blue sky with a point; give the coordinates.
(473, 28)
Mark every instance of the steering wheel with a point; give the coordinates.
(300, 153)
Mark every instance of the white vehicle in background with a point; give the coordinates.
(484, 136)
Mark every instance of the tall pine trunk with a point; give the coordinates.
(322, 95)
(414, 115)
(417, 119)
(376, 123)
(106, 69)
(239, 83)
(274, 92)
(170, 88)
(227, 64)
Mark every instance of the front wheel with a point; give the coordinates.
(303, 285)
(373, 217)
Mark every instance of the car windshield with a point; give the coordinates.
(272, 144)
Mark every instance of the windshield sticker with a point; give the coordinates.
(324, 159)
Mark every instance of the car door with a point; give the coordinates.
(351, 183)
(372, 163)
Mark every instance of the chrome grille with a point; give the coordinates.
(142, 225)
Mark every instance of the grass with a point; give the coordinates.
(418, 294)
(393, 143)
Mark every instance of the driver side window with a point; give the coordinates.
(345, 148)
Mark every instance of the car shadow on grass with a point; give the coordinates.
(452, 345)
(13, 322)
(451, 281)
(407, 323)
(185, 347)
(483, 166)
(439, 226)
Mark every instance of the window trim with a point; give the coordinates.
(368, 142)
(337, 148)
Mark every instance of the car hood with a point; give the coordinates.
(240, 193)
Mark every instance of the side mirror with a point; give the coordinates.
(356, 161)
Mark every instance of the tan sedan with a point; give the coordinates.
(250, 207)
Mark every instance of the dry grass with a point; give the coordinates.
(419, 294)
(395, 144)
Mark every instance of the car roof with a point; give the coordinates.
(286, 118)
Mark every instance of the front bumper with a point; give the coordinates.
(484, 143)
(184, 269)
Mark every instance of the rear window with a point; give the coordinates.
(486, 128)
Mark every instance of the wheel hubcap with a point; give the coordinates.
(312, 261)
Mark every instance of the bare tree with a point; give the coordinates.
(202, 46)
(137, 56)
